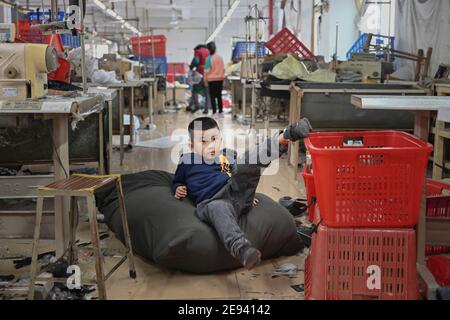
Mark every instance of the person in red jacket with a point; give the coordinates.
(201, 53)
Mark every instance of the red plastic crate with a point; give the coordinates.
(158, 42)
(310, 191)
(343, 264)
(439, 266)
(170, 77)
(438, 205)
(436, 250)
(177, 68)
(25, 33)
(378, 184)
(286, 42)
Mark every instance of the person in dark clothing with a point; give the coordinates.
(222, 187)
(201, 53)
(214, 75)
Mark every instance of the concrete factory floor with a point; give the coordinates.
(154, 282)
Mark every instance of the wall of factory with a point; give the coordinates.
(180, 43)
(325, 26)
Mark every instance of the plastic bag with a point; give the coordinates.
(194, 77)
(104, 77)
(74, 57)
(290, 69)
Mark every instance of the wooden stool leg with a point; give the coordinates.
(126, 231)
(73, 216)
(34, 255)
(96, 245)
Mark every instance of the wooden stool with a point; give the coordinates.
(82, 186)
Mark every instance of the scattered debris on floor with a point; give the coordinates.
(289, 270)
(297, 207)
(61, 292)
(299, 288)
(58, 269)
(43, 258)
(6, 278)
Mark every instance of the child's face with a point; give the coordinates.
(207, 143)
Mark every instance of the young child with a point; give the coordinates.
(224, 189)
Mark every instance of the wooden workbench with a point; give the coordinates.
(131, 86)
(59, 109)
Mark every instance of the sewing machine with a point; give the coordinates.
(370, 71)
(110, 62)
(7, 32)
(24, 68)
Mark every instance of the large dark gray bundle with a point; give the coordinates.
(166, 230)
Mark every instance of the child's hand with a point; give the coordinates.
(181, 192)
(255, 202)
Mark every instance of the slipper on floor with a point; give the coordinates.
(296, 207)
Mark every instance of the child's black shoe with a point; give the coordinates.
(250, 257)
(298, 131)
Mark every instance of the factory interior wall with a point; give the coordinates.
(347, 33)
(298, 19)
(428, 25)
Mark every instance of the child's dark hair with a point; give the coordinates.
(204, 123)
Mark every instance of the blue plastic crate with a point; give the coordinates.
(242, 47)
(160, 64)
(377, 39)
(70, 40)
(44, 16)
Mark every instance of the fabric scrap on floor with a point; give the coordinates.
(299, 288)
(286, 270)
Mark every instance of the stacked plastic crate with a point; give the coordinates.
(26, 33)
(152, 50)
(438, 207)
(176, 69)
(368, 187)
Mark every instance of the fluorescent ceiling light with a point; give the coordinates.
(100, 4)
(111, 13)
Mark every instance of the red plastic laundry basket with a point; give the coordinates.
(368, 179)
(438, 205)
(310, 191)
(436, 250)
(177, 68)
(25, 33)
(440, 268)
(286, 42)
(147, 44)
(361, 264)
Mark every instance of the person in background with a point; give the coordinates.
(214, 76)
(201, 53)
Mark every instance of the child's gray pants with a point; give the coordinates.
(225, 208)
